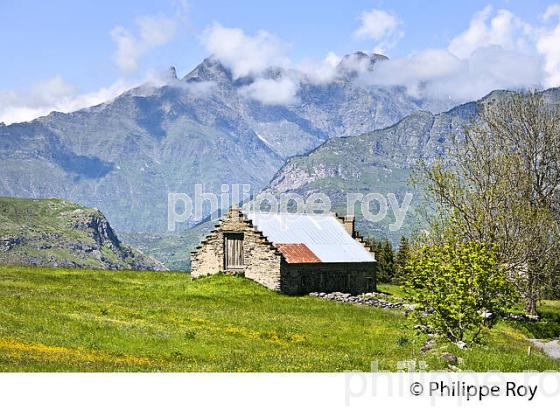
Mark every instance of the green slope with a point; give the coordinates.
(85, 320)
(54, 232)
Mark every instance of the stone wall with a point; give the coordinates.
(353, 278)
(262, 260)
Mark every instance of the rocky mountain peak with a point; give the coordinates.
(358, 62)
(210, 128)
(172, 73)
(211, 69)
(96, 225)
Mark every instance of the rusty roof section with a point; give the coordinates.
(297, 253)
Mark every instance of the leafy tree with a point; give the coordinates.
(401, 259)
(458, 288)
(500, 185)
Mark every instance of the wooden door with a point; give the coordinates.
(233, 251)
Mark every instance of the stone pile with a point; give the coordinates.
(521, 318)
(369, 299)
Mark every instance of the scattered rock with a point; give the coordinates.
(521, 318)
(8, 242)
(430, 344)
(450, 358)
(461, 345)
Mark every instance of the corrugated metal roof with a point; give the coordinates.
(297, 253)
(323, 234)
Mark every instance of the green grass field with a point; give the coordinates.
(85, 320)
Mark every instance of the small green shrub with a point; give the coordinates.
(190, 334)
(402, 341)
(458, 288)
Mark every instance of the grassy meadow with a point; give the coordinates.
(93, 320)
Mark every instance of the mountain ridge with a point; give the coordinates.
(126, 155)
(380, 161)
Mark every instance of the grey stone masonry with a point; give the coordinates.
(262, 259)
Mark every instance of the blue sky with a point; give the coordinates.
(75, 42)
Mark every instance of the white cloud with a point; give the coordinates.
(251, 55)
(244, 54)
(54, 94)
(199, 89)
(504, 29)
(551, 11)
(498, 50)
(319, 72)
(152, 32)
(413, 71)
(281, 91)
(533, 45)
(548, 45)
(439, 73)
(380, 26)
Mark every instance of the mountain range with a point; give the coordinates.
(124, 156)
(380, 161)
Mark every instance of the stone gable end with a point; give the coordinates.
(262, 259)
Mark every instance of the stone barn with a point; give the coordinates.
(290, 253)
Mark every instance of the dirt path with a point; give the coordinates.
(551, 349)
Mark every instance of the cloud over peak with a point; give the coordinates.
(503, 29)
(498, 50)
(382, 27)
(243, 54)
(153, 31)
(53, 94)
(272, 91)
